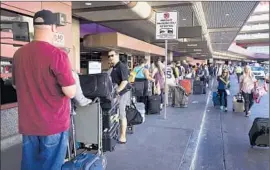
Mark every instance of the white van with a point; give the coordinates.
(258, 72)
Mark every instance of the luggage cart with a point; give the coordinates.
(87, 129)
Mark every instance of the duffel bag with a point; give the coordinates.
(97, 85)
(134, 117)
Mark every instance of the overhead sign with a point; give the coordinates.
(166, 25)
(59, 40)
(190, 32)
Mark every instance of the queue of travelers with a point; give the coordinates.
(45, 85)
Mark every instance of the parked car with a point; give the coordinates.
(258, 72)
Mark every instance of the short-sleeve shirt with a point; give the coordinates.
(248, 83)
(40, 70)
(119, 73)
(140, 72)
(170, 76)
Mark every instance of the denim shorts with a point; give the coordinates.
(44, 152)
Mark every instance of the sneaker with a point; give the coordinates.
(221, 107)
(248, 114)
(226, 109)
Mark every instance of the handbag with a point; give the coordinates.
(157, 89)
(228, 92)
(259, 92)
(134, 117)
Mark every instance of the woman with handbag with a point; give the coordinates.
(159, 86)
(247, 84)
(223, 86)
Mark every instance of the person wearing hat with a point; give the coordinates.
(42, 76)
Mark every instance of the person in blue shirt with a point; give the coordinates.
(142, 79)
(223, 84)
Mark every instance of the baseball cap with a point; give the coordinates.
(45, 17)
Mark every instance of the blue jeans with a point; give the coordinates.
(44, 152)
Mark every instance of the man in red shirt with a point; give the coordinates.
(44, 82)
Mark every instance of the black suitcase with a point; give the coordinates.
(199, 87)
(153, 104)
(110, 137)
(259, 132)
(97, 85)
(109, 117)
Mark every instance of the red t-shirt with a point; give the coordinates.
(39, 71)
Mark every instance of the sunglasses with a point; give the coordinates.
(109, 56)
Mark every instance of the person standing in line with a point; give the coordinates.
(247, 85)
(143, 77)
(119, 76)
(159, 77)
(42, 76)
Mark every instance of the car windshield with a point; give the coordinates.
(257, 68)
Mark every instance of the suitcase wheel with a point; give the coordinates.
(130, 129)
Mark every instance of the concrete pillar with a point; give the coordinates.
(148, 59)
(75, 56)
(170, 56)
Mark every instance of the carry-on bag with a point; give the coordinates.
(110, 137)
(216, 99)
(86, 160)
(179, 97)
(110, 117)
(199, 87)
(259, 132)
(153, 103)
(186, 84)
(238, 103)
(97, 85)
(134, 117)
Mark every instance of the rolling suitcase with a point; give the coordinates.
(238, 103)
(216, 99)
(259, 132)
(199, 87)
(109, 117)
(179, 97)
(153, 104)
(110, 137)
(86, 160)
(186, 84)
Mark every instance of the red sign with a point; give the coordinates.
(166, 15)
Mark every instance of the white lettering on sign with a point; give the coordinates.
(166, 25)
(59, 40)
(192, 45)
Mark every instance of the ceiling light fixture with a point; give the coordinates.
(184, 19)
(227, 14)
(88, 3)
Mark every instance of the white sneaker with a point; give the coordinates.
(221, 107)
(249, 112)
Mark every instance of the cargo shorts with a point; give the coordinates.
(124, 100)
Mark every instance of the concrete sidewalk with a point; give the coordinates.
(224, 142)
(160, 144)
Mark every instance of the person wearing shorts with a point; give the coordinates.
(119, 76)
